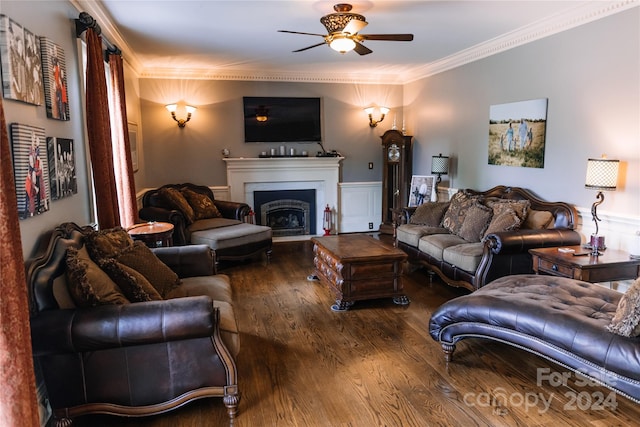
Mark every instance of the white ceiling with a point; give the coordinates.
(238, 39)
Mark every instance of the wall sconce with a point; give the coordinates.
(369, 111)
(181, 122)
(262, 113)
(439, 166)
(602, 174)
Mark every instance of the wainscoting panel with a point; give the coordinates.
(360, 204)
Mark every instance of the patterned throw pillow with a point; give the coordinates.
(202, 205)
(88, 285)
(176, 200)
(538, 220)
(475, 222)
(626, 321)
(520, 207)
(140, 258)
(429, 214)
(107, 243)
(504, 219)
(133, 284)
(454, 216)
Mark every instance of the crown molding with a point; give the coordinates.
(571, 18)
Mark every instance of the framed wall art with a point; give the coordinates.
(517, 133)
(30, 168)
(421, 190)
(21, 64)
(54, 71)
(62, 167)
(133, 142)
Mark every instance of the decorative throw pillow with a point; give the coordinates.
(626, 321)
(202, 205)
(133, 284)
(429, 214)
(144, 261)
(455, 213)
(503, 220)
(475, 222)
(88, 284)
(107, 243)
(520, 207)
(537, 220)
(176, 200)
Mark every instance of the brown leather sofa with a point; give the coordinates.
(135, 359)
(473, 264)
(230, 236)
(563, 320)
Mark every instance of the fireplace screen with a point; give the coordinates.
(287, 212)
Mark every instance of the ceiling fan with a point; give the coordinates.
(343, 28)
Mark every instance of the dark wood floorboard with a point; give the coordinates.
(301, 364)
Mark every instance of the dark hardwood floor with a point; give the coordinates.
(301, 364)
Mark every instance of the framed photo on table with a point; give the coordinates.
(422, 189)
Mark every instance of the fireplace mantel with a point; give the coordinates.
(246, 175)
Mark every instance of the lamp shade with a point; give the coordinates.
(440, 164)
(602, 174)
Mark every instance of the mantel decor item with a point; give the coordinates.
(602, 174)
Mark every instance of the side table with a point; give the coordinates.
(152, 234)
(611, 265)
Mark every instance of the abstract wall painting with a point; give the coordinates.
(30, 169)
(54, 70)
(62, 167)
(21, 64)
(517, 133)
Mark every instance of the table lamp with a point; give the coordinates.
(602, 174)
(439, 166)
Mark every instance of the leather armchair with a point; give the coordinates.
(137, 359)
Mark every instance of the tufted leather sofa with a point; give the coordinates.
(136, 359)
(560, 319)
(474, 264)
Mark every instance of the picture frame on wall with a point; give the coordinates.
(62, 167)
(133, 143)
(21, 62)
(517, 133)
(54, 71)
(30, 169)
(422, 189)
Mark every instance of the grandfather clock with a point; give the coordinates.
(396, 175)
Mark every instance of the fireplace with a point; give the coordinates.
(245, 176)
(287, 212)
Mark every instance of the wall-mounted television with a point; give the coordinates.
(281, 119)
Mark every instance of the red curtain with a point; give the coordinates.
(99, 133)
(122, 146)
(18, 402)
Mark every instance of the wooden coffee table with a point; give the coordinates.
(358, 267)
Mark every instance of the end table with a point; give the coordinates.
(152, 234)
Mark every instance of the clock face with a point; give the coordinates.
(393, 153)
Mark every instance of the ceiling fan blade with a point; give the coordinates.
(298, 32)
(362, 49)
(354, 26)
(391, 37)
(309, 47)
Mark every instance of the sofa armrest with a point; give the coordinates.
(522, 240)
(113, 326)
(232, 210)
(406, 214)
(188, 261)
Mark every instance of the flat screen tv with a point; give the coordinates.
(282, 119)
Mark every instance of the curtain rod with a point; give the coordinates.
(86, 21)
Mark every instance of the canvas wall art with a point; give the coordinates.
(517, 133)
(62, 167)
(30, 168)
(54, 71)
(21, 64)
(422, 189)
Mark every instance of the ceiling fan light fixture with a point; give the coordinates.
(342, 44)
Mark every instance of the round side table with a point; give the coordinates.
(152, 234)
